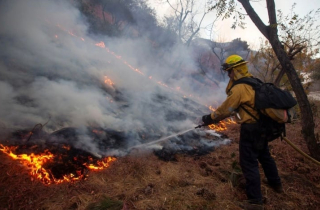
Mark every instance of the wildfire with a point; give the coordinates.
(38, 165)
(108, 81)
(101, 44)
(222, 125)
(100, 164)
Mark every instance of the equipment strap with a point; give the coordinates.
(249, 112)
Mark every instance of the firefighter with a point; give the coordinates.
(250, 151)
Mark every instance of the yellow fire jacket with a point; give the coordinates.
(240, 94)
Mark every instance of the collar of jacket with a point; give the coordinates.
(239, 72)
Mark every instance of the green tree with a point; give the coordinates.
(300, 41)
(228, 8)
(237, 45)
(223, 49)
(299, 37)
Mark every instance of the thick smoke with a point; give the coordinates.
(51, 70)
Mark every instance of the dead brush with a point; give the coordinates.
(145, 182)
(137, 168)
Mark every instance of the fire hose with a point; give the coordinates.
(199, 126)
(292, 145)
(300, 151)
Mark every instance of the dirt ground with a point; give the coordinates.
(143, 181)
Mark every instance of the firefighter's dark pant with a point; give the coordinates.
(251, 151)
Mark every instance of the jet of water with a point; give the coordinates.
(160, 140)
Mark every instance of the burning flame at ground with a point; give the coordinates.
(101, 164)
(222, 125)
(35, 163)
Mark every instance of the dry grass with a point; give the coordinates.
(142, 181)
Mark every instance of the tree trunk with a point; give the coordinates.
(279, 77)
(307, 122)
(271, 33)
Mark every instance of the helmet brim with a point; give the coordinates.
(235, 65)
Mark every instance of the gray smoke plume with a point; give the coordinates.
(52, 70)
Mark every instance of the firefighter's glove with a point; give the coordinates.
(207, 120)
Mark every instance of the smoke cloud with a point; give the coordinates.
(51, 70)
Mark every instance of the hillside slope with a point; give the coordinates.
(141, 180)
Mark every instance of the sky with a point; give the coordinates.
(250, 34)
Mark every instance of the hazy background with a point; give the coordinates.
(222, 31)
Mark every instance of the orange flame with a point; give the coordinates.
(108, 81)
(35, 163)
(102, 45)
(97, 131)
(222, 125)
(101, 164)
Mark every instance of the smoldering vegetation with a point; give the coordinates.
(54, 72)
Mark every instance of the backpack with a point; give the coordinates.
(273, 106)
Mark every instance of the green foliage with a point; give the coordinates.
(300, 40)
(237, 45)
(228, 9)
(105, 203)
(233, 155)
(235, 166)
(297, 32)
(236, 174)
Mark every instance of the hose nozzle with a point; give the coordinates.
(199, 126)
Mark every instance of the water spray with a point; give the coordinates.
(164, 138)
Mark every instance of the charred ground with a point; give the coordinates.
(142, 180)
